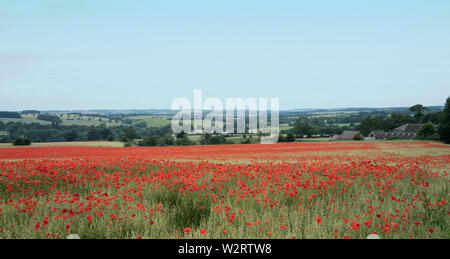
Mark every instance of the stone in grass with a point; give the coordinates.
(73, 236)
(373, 236)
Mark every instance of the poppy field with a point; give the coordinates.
(344, 190)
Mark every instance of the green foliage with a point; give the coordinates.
(42, 134)
(392, 138)
(246, 141)
(21, 142)
(184, 141)
(433, 117)
(435, 137)
(71, 135)
(358, 137)
(4, 139)
(128, 134)
(190, 211)
(99, 133)
(303, 127)
(290, 137)
(418, 109)
(111, 137)
(389, 123)
(229, 142)
(371, 123)
(426, 131)
(4, 114)
(444, 126)
(150, 141)
(396, 120)
(50, 118)
(31, 112)
(215, 139)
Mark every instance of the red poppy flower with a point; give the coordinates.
(37, 225)
(318, 220)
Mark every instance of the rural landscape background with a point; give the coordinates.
(87, 148)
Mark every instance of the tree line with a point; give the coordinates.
(36, 132)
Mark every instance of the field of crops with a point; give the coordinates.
(286, 190)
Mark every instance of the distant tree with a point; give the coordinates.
(213, 139)
(246, 141)
(129, 133)
(218, 139)
(396, 120)
(303, 127)
(358, 137)
(31, 112)
(205, 139)
(21, 142)
(150, 141)
(168, 139)
(128, 121)
(181, 134)
(71, 135)
(4, 114)
(444, 126)
(51, 118)
(110, 137)
(184, 141)
(433, 117)
(418, 109)
(290, 137)
(94, 134)
(426, 131)
(369, 124)
(104, 132)
(44, 134)
(4, 139)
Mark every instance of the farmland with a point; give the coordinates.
(68, 119)
(286, 190)
(151, 121)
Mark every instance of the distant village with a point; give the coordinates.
(406, 131)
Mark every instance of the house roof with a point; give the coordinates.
(410, 128)
(346, 135)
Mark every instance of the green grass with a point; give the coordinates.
(66, 120)
(344, 124)
(87, 120)
(151, 120)
(179, 210)
(286, 127)
(25, 119)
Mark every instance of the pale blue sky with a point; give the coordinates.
(99, 54)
